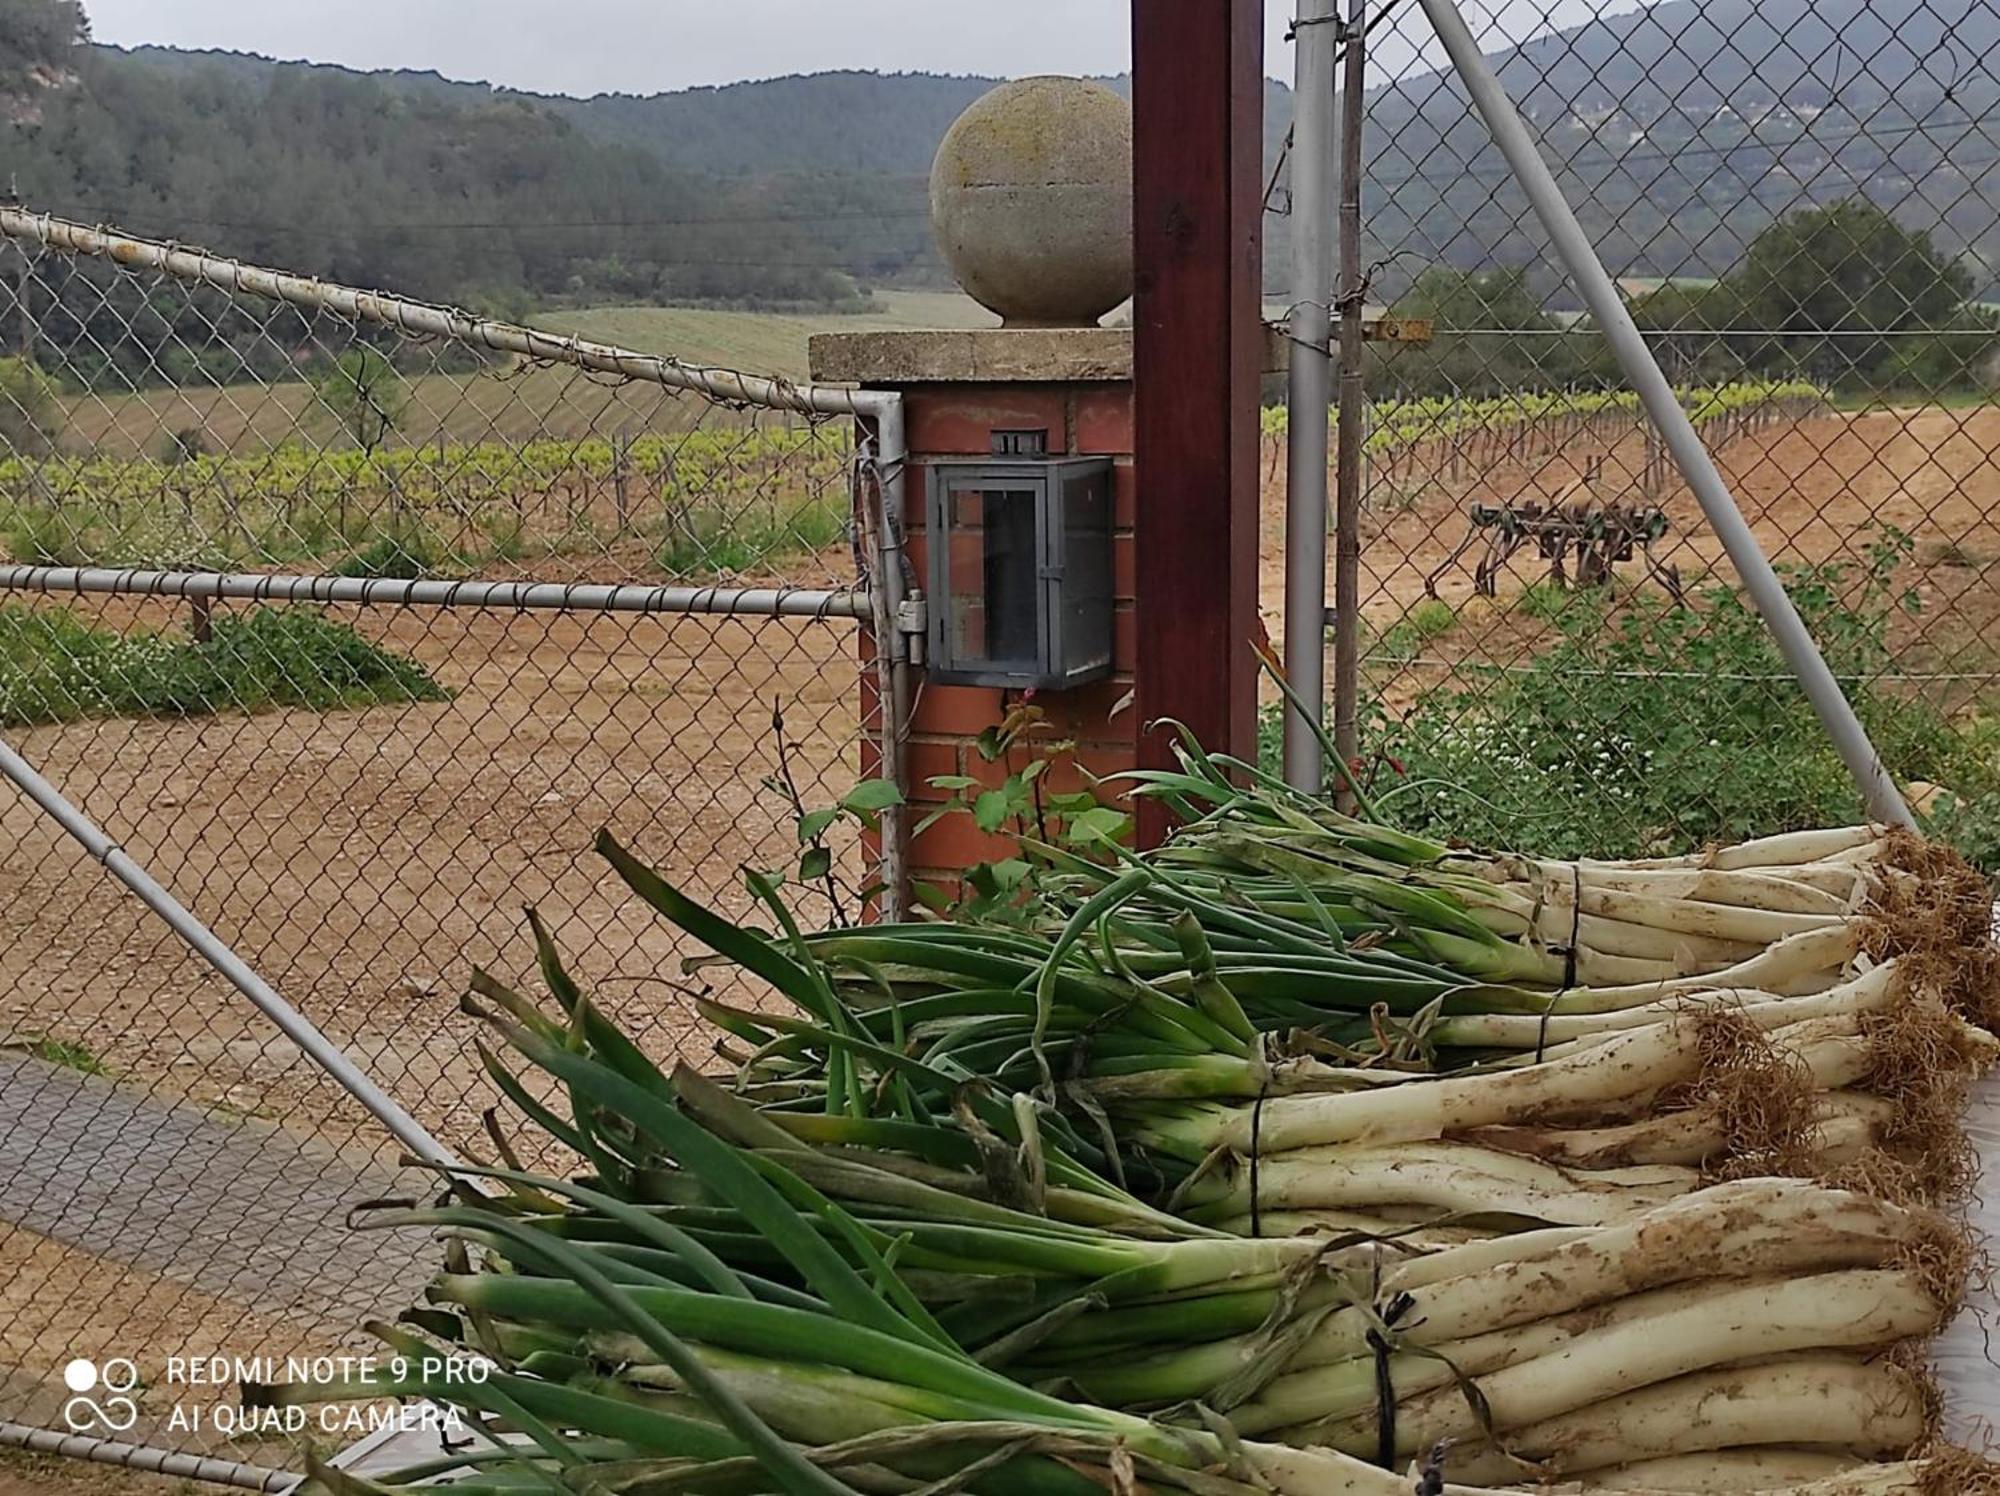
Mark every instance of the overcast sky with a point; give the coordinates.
(647, 46)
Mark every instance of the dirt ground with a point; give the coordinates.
(43, 1475)
(366, 861)
(57, 1303)
(1814, 491)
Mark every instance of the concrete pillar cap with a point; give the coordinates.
(1031, 199)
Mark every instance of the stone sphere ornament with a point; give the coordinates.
(1031, 199)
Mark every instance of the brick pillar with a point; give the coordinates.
(958, 389)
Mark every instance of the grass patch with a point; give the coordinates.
(61, 1052)
(41, 537)
(710, 542)
(54, 667)
(1428, 620)
(1654, 729)
(1544, 601)
(79, 534)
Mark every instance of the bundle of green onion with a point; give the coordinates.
(1297, 1155)
(1274, 943)
(744, 1299)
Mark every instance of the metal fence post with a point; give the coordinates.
(1353, 409)
(1309, 396)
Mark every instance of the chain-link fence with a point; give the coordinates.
(354, 637)
(1802, 212)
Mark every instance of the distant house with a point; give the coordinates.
(1639, 287)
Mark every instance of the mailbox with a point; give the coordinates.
(1020, 568)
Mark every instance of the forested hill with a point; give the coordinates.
(443, 192)
(871, 123)
(1686, 127)
(876, 123)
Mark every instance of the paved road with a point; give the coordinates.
(238, 1208)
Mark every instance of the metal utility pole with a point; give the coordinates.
(1353, 405)
(1879, 793)
(1316, 35)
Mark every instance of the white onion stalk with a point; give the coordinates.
(1326, 1472)
(1691, 946)
(1789, 849)
(1845, 1121)
(1727, 1470)
(1832, 1047)
(1627, 1069)
(1621, 921)
(1311, 1396)
(1795, 965)
(1422, 1235)
(1775, 891)
(1845, 1310)
(1874, 991)
(1871, 1407)
(1458, 1178)
(1753, 1227)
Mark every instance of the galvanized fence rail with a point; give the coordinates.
(351, 620)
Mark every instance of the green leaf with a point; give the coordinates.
(1011, 872)
(606, 1040)
(730, 1174)
(952, 782)
(1099, 823)
(752, 952)
(816, 864)
(931, 895)
(872, 794)
(990, 810)
(788, 1468)
(813, 826)
(937, 815)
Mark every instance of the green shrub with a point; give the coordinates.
(54, 667)
(710, 542)
(29, 412)
(44, 537)
(1659, 728)
(404, 558)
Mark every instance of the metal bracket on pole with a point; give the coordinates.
(913, 622)
(1879, 794)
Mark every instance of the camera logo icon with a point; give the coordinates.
(117, 1412)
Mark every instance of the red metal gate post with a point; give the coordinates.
(1198, 140)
